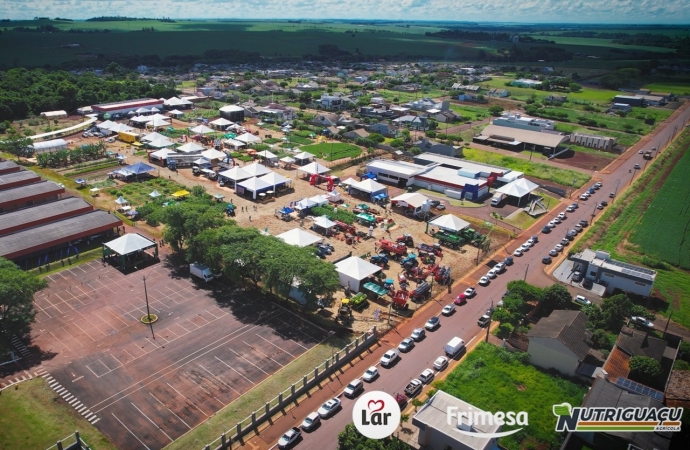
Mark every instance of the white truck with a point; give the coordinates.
(497, 199)
(201, 271)
(454, 346)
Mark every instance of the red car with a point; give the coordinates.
(401, 399)
(460, 299)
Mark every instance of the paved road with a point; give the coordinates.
(614, 178)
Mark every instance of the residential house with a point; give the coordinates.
(428, 146)
(468, 97)
(438, 432)
(347, 121)
(525, 83)
(498, 93)
(426, 104)
(553, 98)
(310, 86)
(601, 269)
(324, 119)
(449, 116)
(331, 102)
(331, 131)
(360, 79)
(399, 111)
(653, 100)
(413, 122)
(359, 133)
(559, 341)
(383, 129)
(278, 112)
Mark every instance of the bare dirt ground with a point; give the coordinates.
(584, 160)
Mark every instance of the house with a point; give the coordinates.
(520, 139)
(525, 83)
(347, 121)
(383, 129)
(413, 122)
(632, 100)
(277, 112)
(399, 111)
(331, 102)
(438, 432)
(359, 133)
(449, 116)
(553, 98)
(360, 79)
(426, 104)
(330, 130)
(605, 394)
(559, 341)
(517, 120)
(598, 142)
(653, 100)
(601, 269)
(429, 146)
(324, 119)
(498, 92)
(678, 389)
(623, 107)
(468, 97)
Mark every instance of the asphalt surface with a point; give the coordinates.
(615, 178)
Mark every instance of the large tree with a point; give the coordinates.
(556, 296)
(17, 289)
(17, 145)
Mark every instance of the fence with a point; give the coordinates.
(78, 443)
(296, 390)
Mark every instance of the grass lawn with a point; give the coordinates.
(638, 219)
(678, 87)
(228, 417)
(35, 417)
(625, 139)
(493, 379)
(331, 151)
(538, 170)
(470, 112)
(299, 140)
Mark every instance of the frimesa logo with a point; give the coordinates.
(466, 420)
(376, 415)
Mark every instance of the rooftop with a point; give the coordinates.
(8, 166)
(566, 326)
(10, 196)
(527, 136)
(20, 177)
(459, 163)
(36, 214)
(603, 260)
(678, 386)
(450, 177)
(403, 167)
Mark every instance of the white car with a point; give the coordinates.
(448, 309)
(499, 267)
(427, 376)
(329, 408)
(584, 197)
(406, 345)
(311, 421)
(525, 247)
(491, 274)
(562, 216)
(552, 224)
(570, 208)
(289, 438)
(432, 323)
(484, 281)
(371, 374)
(558, 248)
(441, 363)
(469, 292)
(598, 184)
(389, 357)
(556, 220)
(517, 252)
(418, 334)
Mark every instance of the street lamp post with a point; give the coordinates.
(148, 312)
(488, 327)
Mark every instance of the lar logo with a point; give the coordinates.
(376, 415)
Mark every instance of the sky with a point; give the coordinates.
(526, 11)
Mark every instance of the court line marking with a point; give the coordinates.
(191, 403)
(237, 354)
(171, 411)
(291, 340)
(154, 423)
(203, 388)
(279, 348)
(219, 380)
(130, 432)
(262, 353)
(232, 368)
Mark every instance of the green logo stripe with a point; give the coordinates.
(614, 428)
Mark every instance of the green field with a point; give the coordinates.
(608, 43)
(493, 379)
(35, 417)
(680, 87)
(545, 172)
(625, 139)
(627, 219)
(331, 151)
(668, 216)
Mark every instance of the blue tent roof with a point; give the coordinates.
(139, 168)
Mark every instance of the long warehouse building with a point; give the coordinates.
(22, 219)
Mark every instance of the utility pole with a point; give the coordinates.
(525, 277)
(615, 192)
(488, 327)
(148, 312)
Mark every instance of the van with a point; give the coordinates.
(354, 388)
(454, 346)
(201, 271)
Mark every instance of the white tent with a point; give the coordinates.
(450, 222)
(212, 153)
(49, 146)
(174, 101)
(121, 201)
(256, 169)
(190, 147)
(163, 153)
(353, 270)
(248, 138)
(304, 204)
(157, 122)
(254, 185)
(413, 199)
(314, 168)
(202, 129)
(287, 160)
(324, 222)
(159, 116)
(155, 194)
(304, 155)
(518, 188)
(333, 196)
(143, 111)
(222, 122)
(176, 112)
(116, 128)
(349, 182)
(140, 119)
(129, 243)
(320, 200)
(152, 137)
(155, 110)
(160, 143)
(275, 179)
(370, 186)
(299, 238)
(106, 125)
(235, 174)
(233, 143)
(201, 162)
(267, 154)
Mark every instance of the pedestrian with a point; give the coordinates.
(250, 218)
(371, 231)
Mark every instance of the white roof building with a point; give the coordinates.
(299, 238)
(353, 270)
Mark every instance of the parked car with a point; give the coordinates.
(642, 321)
(583, 223)
(553, 252)
(491, 273)
(289, 438)
(517, 252)
(546, 260)
(470, 292)
(562, 216)
(499, 267)
(546, 229)
(558, 247)
(329, 408)
(525, 247)
(612, 195)
(448, 309)
(605, 203)
(418, 334)
(426, 376)
(637, 167)
(441, 363)
(413, 388)
(484, 281)
(575, 205)
(484, 320)
(389, 357)
(353, 389)
(570, 209)
(577, 276)
(583, 197)
(432, 323)
(577, 227)
(406, 345)
(587, 283)
(371, 374)
(581, 300)
(311, 421)
(564, 242)
(598, 184)
(600, 206)
(401, 400)
(508, 261)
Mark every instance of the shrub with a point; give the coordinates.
(644, 368)
(505, 329)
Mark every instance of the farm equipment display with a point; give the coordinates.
(442, 276)
(409, 261)
(400, 299)
(323, 250)
(396, 250)
(364, 208)
(230, 209)
(380, 260)
(405, 239)
(427, 258)
(430, 249)
(421, 292)
(358, 301)
(422, 273)
(376, 289)
(344, 312)
(345, 228)
(451, 240)
(366, 219)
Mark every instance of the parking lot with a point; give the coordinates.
(212, 344)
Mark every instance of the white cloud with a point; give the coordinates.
(531, 11)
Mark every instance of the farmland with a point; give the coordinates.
(493, 379)
(629, 227)
(333, 151)
(538, 170)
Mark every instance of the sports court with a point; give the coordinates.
(212, 344)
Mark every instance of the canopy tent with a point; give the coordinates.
(253, 185)
(267, 155)
(116, 128)
(233, 143)
(305, 203)
(139, 168)
(152, 137)
(410, 199)
(370, 187)
(155, 194)
(276, 180)
(181, 193)
(190, 147)
(287, 160)
(202, 129)
(314, 168)
(143, 111)
(350, 181)
(155, 110)
(162, 153)
(140, 119)
(159, 116)
(235, 174)
(320, 200)
(176, 112)
(518, 188)
(450, 222)
(129, 244)
(248, 138)
(157, 122)
(201, 162)
(212, 154)
(353, 270)
(49, 146)
(303, 157)
(333, 196)
(324, 222)
(222, 122)
(299, 238)
(256, 169)
(160, 143)
(174, 101)
(121, 201)
(106, 125)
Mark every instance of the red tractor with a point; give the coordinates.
(345, 228)
(405, 239)
(396, 250)
(400, 299)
